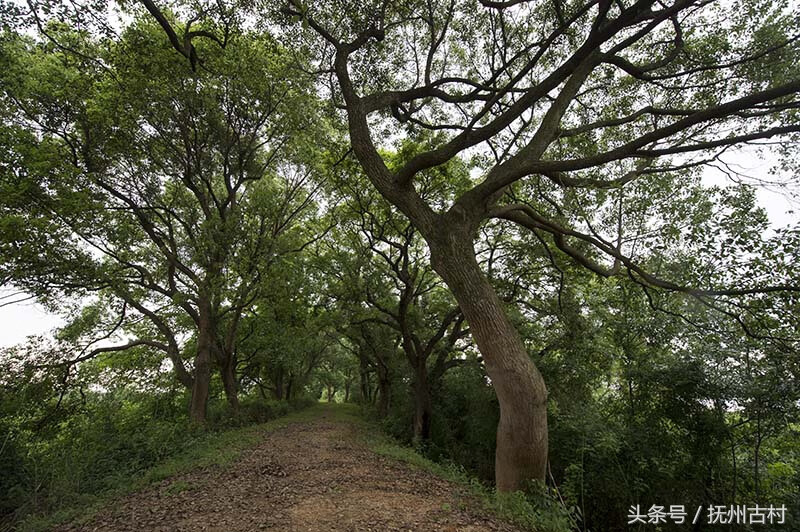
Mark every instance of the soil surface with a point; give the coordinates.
(308, 476)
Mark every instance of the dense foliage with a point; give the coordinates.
(493, 224)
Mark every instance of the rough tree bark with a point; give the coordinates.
(521, 452)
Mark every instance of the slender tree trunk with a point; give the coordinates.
(521, 452)
(228, 372)
(289, 387)
(202, 363)
(423, 406)
(279, 385)
(347, 391)
(364, 381)
(384, 394)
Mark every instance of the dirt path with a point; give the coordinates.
(307, 476)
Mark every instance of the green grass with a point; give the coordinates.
(179, 486)
(215, 449)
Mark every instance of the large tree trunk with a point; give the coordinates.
(521, 452)
(423, 406)
(202, 364)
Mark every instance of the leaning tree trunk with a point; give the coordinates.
(521, 452)
(202, 363)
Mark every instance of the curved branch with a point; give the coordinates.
(100, 350)
(525, 216)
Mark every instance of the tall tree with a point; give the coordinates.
(553, 93)
(186, 184)
(559, 102)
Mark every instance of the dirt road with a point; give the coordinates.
(315, 475)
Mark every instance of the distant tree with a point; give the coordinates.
(376, 349)
(287, 332)
(401, 290)
(345, 268)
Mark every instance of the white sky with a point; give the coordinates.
(24, 319)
